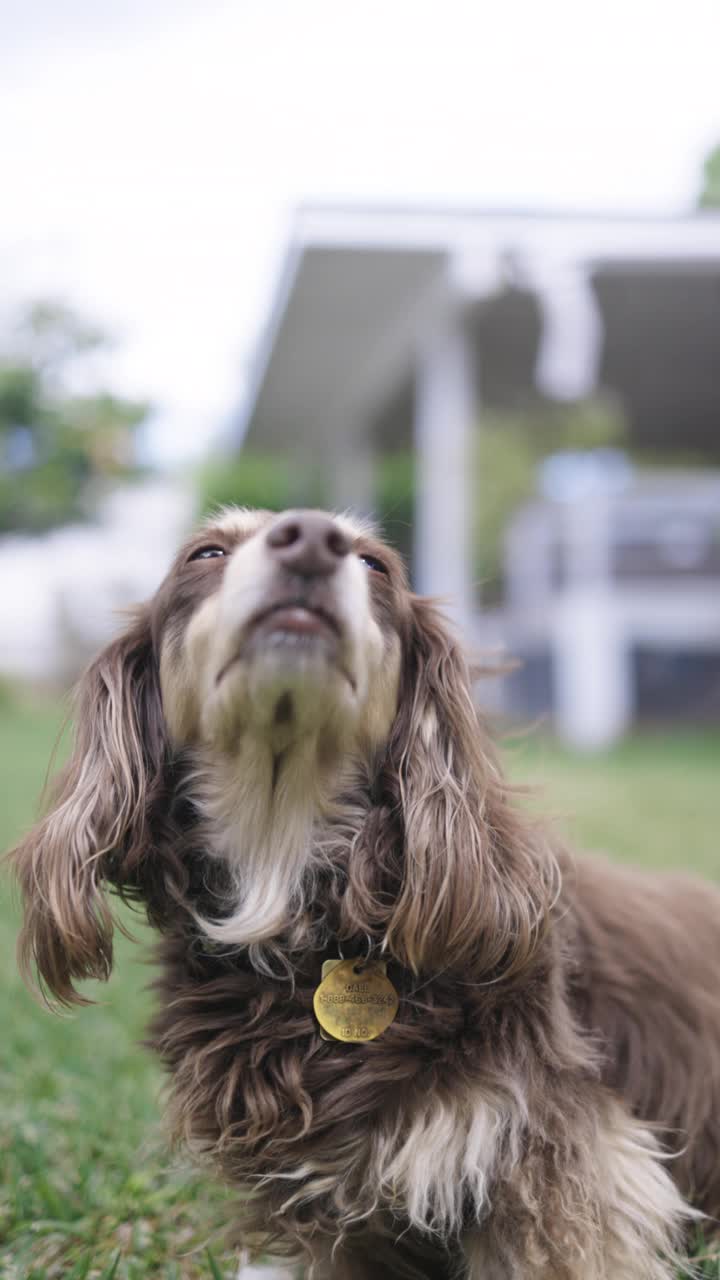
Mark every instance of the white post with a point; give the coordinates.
(444, 414)
(591, 661)
(593, 687)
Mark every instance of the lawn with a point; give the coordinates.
(87, 1188)
(85, 1179)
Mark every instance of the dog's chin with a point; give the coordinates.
(289, 680)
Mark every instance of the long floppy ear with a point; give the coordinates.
(477, 879)
(97, 821)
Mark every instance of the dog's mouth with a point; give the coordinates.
(295, 621)
(297, 618)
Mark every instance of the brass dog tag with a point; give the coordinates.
(355, 1001)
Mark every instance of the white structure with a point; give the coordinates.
(403, 325)
(63, 593)
(600, 588)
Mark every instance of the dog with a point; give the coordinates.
(515, 1071)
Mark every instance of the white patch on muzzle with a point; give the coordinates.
(286, 717)
(280, 684)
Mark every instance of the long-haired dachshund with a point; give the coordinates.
(421, 1039)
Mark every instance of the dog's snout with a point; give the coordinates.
(308, 542)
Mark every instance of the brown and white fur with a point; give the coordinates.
(281, 759)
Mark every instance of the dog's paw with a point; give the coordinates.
(267, 1271)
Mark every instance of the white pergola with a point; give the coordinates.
(465, 308)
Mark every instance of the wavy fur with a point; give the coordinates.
(559, 1022)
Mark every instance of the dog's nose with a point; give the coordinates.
(307, 542)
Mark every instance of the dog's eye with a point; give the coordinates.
(373, 563)
(207, 553)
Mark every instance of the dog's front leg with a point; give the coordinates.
(268, 1270)
(368, 1255)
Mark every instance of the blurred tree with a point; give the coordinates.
(59, 433)
(395, 489)
(710, 193)
(508, 450)
(272, 481)
(275, 482)
(250, 480)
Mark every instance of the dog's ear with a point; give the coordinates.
(96, 826)
(477, 879)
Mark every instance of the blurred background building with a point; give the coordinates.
(528, 402)
(394, 335)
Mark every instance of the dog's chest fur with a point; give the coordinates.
(416, 1121)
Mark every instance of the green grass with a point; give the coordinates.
(653, 801)
(88, 1190)
(86, 1183)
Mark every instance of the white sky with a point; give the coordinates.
(152, 150)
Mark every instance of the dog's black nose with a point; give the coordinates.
(307, 542)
